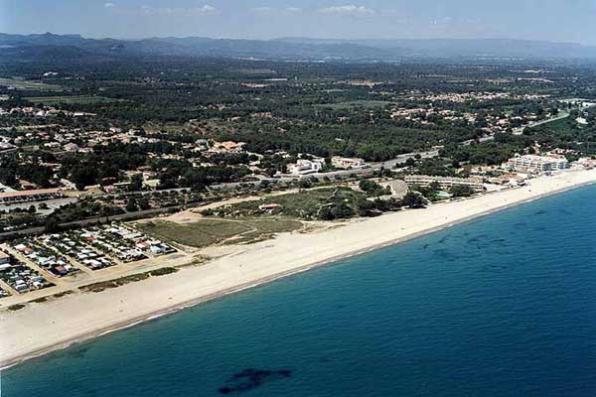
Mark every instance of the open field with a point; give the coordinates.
(21, 84)
(211, 231)
(76, 99)
(303, 204)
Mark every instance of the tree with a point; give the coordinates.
(51, 225)
(333, 211)
(144, 203)
(413, 200)
(105, 212)
(8, 171)
(131, 205)
(371, 187)
(461, 191)
(136, 183)
(84, 175)
(305, 183)
(434, 187)
(431, 191)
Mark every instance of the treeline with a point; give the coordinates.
(12, 170)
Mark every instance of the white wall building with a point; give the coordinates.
(347, 163)
(446, 183)
(305, 167)
(533, 164)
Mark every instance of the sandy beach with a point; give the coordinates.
(43, 327)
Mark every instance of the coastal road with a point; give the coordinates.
(403, 158)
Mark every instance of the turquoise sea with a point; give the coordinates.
(501, 306)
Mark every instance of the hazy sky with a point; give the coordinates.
(556, 20)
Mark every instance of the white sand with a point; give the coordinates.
(39, 328)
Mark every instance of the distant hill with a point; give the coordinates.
(468, 48)
(194, 46)
(26, 47)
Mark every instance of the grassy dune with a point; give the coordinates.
(211, 231)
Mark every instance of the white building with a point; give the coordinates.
(533, 164)
(446, 183)
(305, 167)
(347, 163)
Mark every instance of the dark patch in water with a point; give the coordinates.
(541, 212)
(426, 246)
(499, 242)
(481, 242)
(444, 239)
(499, 267)
(446, 255)
(251, 378)
(476, 239)
(494, 268)
(78, 352)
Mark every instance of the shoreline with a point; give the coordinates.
(230, 266)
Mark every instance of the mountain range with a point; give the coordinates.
(389, 50)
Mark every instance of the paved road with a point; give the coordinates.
(402, 158)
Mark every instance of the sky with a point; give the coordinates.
(551, 20)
